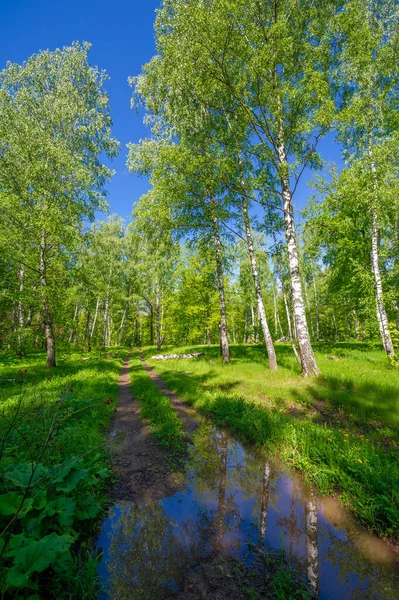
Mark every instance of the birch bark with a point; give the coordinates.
(72, 330)
(21, 316)
(93, 328)
(105, 321)
(224, 342)
(308, 360)
(271, 353)
(158, 319)
(47, 318)
(379, 295)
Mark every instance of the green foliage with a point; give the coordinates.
(54, 470)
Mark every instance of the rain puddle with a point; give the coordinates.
(234, 502)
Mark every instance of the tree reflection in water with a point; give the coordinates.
(312, 541)
(147, 558)
(237, 502)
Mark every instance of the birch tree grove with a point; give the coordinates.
(236, 102)
(205, 66)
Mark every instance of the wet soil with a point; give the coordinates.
(211, 534)
(227, 578)
(141, 465)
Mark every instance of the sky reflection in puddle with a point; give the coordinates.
(234, 500)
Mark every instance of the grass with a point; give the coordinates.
(157, 412)
(54, 471)
(340, 429)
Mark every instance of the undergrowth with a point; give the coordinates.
(54, 471)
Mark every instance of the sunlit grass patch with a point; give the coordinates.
(157, 411)
(339, 429)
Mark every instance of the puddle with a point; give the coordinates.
(234, 502)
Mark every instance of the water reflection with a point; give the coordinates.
(234, 501)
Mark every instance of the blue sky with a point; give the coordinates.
(122, 36)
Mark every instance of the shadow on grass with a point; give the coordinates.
(364, 404)
(370, 400)
(37, 373)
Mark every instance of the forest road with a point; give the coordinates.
(142, 466)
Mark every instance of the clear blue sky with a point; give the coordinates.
(122, 36)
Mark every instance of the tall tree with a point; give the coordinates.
(54, 127)
(368, 119)
(273, 83)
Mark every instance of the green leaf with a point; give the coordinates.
(35, 557)
(70, 482)
(88, 508)
(64, 508)
(21, 476)
(9, 503)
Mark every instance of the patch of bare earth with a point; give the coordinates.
(142, 466)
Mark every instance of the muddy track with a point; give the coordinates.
(186, 414)
(143, 471)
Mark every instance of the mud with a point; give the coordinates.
(141, 465)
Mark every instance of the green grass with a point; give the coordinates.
(157, 411)
(54, 470)
(340, 429)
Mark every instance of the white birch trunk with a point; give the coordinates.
(335, 326)
(224, 342)
(271, 353)
(252, 325)
(47, 318)
(308, 360)
(95, 319)
(21, 316)
(379, 296)
(105, 321)
(158, 319)
(71, 332)
(286, 306)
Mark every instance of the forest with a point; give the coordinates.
(226, 345)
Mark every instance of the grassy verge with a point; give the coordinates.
(157, 412)
(339, 429)
(54, 470)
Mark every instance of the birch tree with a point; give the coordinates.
(265, 66)
(368, 122)
(54, 125)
